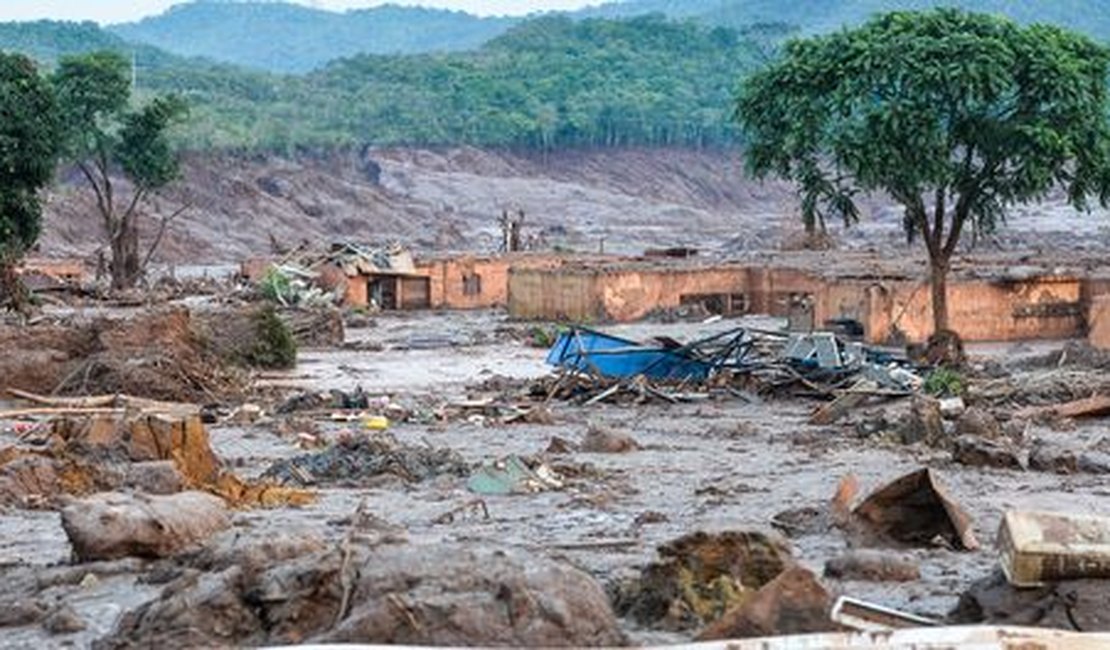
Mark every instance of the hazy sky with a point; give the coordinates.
(114, 11)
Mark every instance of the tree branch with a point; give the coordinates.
(938, 218)
(104, 210)
(140, 192)
(164, 222)
(104, 168)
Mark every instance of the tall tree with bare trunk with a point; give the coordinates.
(956, 116)
(109, 140)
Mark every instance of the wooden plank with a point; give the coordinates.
(1094, 406)
(839, 407)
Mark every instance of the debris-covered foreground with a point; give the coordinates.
(432, 482)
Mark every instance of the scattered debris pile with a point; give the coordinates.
(358, 460)
(156, 354)
(739, 362)
(168, 354)
(311, 277)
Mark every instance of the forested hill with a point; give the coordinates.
(547, 82)
(284, 37)
(550, 81)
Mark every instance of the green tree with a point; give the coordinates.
(29, 146)
(957, 116)
(107, 139)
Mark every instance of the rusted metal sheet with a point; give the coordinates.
(916, 509)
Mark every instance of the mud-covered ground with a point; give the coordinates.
(713, 465)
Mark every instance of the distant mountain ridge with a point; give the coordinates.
(279, 36)
(292, 38)
(1091, 17)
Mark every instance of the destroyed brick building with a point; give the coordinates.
(989, 301)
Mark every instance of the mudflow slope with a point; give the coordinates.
(442, 200)
(449, 200)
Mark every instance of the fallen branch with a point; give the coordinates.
(46, 410)
(117, 401)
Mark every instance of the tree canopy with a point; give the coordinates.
(29, 144)
(955, 115)
(106, 137)
(29, 139)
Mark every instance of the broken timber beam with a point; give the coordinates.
(850, 399)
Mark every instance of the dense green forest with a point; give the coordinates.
(548, 82)
(282, 37)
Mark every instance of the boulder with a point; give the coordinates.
(111, 525)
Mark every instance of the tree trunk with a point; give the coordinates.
(938, 269)
(13, 293)
(125, 256)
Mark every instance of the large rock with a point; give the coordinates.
(381, 594)
(793, 603)
(1068, 605)
(111, 525)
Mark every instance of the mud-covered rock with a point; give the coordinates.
(923, 423)
(601, 439)
(873, 566)
(112, 525)
(701, 576)
(1069, 605)
(380, 594)
(1060, 459)
(978, 422)
(153, 477)
(63, 621)
(21, 611)
(984, 452)
(794, 602)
